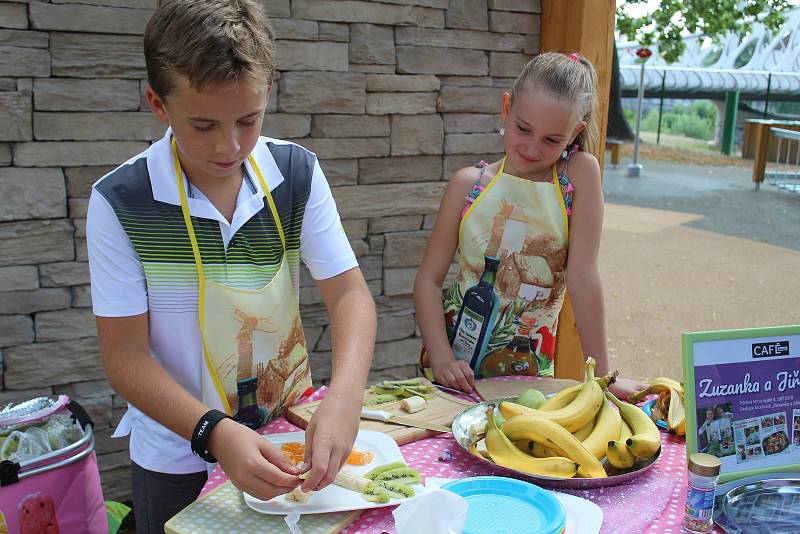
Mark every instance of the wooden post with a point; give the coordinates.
(586, 27)
(760, 156)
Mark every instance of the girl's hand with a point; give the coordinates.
(625, 387)
(454, 374)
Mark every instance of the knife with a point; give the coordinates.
(387, 417)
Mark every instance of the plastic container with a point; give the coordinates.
(703, 474)
(58, 491)
(510, 506)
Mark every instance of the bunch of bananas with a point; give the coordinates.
(669, 405)
(571, 433)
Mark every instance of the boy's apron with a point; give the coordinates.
(253, 341)
(524, 224)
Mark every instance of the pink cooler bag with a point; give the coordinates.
(58, 491)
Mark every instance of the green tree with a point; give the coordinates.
(712, 18)
(668, 21)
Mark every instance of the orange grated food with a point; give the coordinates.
(359, 457)
(294, 451)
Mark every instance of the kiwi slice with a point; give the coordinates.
(379, 399)
(409, 382)
(406, 480)
(384, 388)
(399, 472)
(395, 489)
(375, 493)
(372, 475)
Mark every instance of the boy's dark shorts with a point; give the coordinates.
(159, 496)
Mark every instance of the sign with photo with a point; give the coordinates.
(743, 398)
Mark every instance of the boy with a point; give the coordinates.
(194, 250)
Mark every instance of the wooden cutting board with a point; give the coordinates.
(441, 409)
(498, 389)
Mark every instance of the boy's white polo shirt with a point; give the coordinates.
(120, 277)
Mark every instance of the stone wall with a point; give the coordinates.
(392, 95)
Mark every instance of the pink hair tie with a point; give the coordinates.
(575, 58)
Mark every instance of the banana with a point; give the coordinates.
(478, 448)
(554, 436)
(606, 428)
(676, 416)
(661, 407)
(646, 440)
(584, 431)
(618, 454)
(576, 414)
(346, 479)
(525, 445)
(540, 451)
(298, 495)
(567, 395)
(504, 453)
(658, 385)
(669, 382)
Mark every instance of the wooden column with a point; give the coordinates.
(585, 27)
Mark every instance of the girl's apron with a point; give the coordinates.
(524, 224)
(253, 342)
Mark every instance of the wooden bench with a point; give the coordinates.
(614, 146)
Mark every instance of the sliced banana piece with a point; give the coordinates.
(413, 404)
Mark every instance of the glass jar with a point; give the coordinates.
(703, 474)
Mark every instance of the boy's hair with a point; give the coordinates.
(571, 77)
(208, 41)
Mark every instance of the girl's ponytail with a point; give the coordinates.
(589, 138)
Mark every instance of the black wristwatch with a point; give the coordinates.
(202, 431)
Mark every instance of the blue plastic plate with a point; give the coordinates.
(499, 504)
(647, 408)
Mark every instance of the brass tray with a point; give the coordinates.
(476, 415)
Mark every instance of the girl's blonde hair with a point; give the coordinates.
(571, 77)
(208, 41)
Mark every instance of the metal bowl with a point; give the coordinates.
(771, 505)
(476, 415)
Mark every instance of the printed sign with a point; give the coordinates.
(743, 398)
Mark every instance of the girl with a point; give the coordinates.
(539, 211)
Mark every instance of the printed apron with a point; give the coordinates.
(254, 347)
(524, 224)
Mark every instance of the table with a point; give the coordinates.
(651, 504)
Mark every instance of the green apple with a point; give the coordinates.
(532, 398)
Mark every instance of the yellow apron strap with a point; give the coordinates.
(186, 217)
(561, 202)
(201, 278)
(481, 196)
(271, 202)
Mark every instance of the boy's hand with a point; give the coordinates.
(623, 388)
(253, 464)
(454, 374)
(329, 438)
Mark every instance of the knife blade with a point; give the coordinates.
(387, 417)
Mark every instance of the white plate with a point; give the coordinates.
(334, 498)
(583, 517)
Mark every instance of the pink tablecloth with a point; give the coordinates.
(650, 504)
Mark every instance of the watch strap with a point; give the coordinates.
(202, 431)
